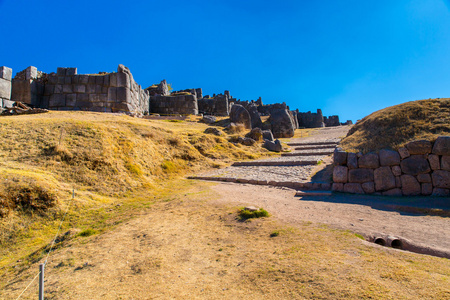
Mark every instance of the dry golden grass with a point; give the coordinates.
(393, 126)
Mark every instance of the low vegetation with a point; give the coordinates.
(393, 126)
(245, 213)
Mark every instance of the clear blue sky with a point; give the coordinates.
(347, 57)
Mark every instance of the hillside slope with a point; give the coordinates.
(393, 126)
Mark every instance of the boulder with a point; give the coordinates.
(273, 145)
(442, 146)
(404, 153)
(441, 179)
(352, 160)
(415, 164)
(360, 175)
(354, 188)
(254, 116)
(337, 187)
(422, 178)
(419, 147)
(246, 141)
(410, 186)
(340, 157)
(445, 163)
(384, 179)
(340, 174)
(393, 192)
(281, 123)
(389, 158)
(370, 160)
(433, 159)
(267, 135)
(256, 134)
(209, 119)
(427, 189)
(213, 130)
(239, 115)
(368, 187)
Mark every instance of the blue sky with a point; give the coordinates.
(349, 58)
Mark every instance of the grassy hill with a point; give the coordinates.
(393, 126)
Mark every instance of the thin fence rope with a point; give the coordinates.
(29, 285)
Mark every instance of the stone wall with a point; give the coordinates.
(331, 121)
(420, 168)
(169, 105)
(218, 105)
(67, 90)
(311, 120)
(5, 86)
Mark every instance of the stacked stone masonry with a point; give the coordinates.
(5, 86)
(421, 167)
(168, 105)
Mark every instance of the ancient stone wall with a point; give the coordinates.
(420, 168)
(310, 120)
(67, 90)
(5, 86)
(219, 105)
(331, 121)
(169, 105)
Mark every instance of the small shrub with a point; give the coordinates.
(87, 232)
(275, 233)
(245, 214)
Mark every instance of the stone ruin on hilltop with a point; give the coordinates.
(119, 92)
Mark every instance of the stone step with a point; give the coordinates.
(307, 153)
(313, 193)
(317, 147)
(312, 143)
(324, 186)
(279, 163)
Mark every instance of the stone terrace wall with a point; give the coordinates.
(419, 168)
(331, 121)
(218, 106)
(5, 86)
(168, 105)
(311, 120)
(67, 90)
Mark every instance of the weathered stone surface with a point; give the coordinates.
(384, 179)
(368, 187)
(441, 179)
(445, 163)
(273, 145)
(281, 123)
(441, 192)
(442, 146)
(354, 188)
(340, 157)
(6, 73)
(426, 188)
(404, 153)
(57, 100)
(256, 134)
(213, 130)
(433, 159)
(424, 178)
(71, 99)
(246, 141)
(340, 174)
(415, 164)
(267, 135)
(396, 170)
(254, 116)
(337, 187)
(5, 89)
(209, 119)
(240, 115)
(370, 160)
(352, 160)
(398, 182)
(360, 175)
(389, 158)
(394, 192)
(419, 147)
(410, 185)
(79, 88)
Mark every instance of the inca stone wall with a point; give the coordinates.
(169, 105)
(67, 90)
(311, 120)
(331, 121)
(420, 168)
(5, 86)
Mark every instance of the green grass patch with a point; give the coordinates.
(87, 232)
(245, 214)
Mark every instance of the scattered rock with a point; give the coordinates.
(246, 141)
(213, 130)
(281, 123)
(209, 119)
(267, 135)
(256, 134)
(273, 146)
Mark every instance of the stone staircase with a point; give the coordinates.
(292, 169)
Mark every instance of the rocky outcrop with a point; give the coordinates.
(239, 115)
(254, 116)
(281, 123)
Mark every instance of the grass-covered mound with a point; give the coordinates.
(392, 127)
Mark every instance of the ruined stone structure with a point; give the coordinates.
(331, 121)
(169, 105)
(67, 90)
(419, 168)
(219, 105)
(5, 86)
(311, 120)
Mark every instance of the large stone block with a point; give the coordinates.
(5, 89)
(368, 187)
(393, 192)
(49, 89)
(61, 71)
(239, 115)
(67, 89)
(340, 157)
(424, 178)
(441, 192)
(352, 160)
(5, 73)
(123, 80)
(442, 146)
(370, 160)
(433, 159)
(353, 188)
(426, 188)
(52, 79)
(71, 100)
(67, 80)
(360, 175)
(445, 163)
(419, 147)
(90, 89)
(30, 73)
(113, 79)
(112, 94)
(389, 158)
(340, 174)
(79, 88)
(396, 170)
(57, 100)
(83, 79)
(337, 187)
(384, 179)
(99, 80)
(415, 164)
(441, 179)
(82, 98)
(123, 94)
(404, 153)
(410, 186)
(91, 79)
